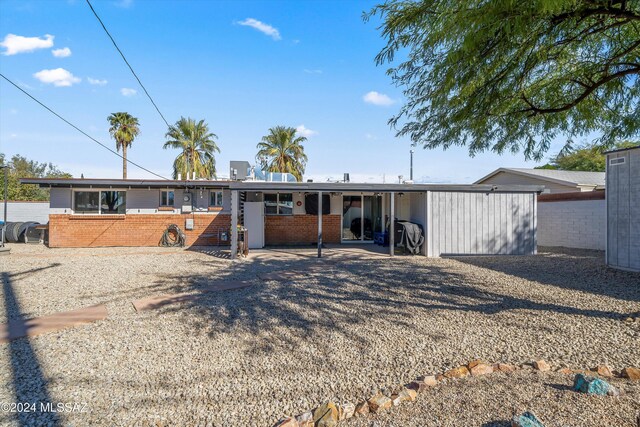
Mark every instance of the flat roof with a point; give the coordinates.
(120, 183)
(380, 188)
(278, 186)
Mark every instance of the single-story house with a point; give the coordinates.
(456, 219)
(554, 181)
(623, 208)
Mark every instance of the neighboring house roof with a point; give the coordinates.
(571, 178)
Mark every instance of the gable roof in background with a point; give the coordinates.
(571, 178)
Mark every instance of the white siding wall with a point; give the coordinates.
(572, 224)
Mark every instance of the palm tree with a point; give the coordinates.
(124, 128)
(281, 151)
(198, 146)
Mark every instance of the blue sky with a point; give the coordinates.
(243, 66)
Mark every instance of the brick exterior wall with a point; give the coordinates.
(300, 229)
(74, 231)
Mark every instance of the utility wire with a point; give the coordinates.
(126, 62)
(78, 129)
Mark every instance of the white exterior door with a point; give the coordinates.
(254, 222)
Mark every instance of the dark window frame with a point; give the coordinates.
(99, 210)
(167, 205)
(278, 205)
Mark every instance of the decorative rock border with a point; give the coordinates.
(330, 414)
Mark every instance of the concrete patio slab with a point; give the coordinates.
(54, 322)
(152, 303)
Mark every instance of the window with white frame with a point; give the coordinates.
(100, 202)
(278, 204)
(215, 198)
(166, 198)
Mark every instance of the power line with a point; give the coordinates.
(127, 62)
(78, 129)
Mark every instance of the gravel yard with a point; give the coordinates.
(492, 401)
(349, 326)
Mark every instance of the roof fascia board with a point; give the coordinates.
(379, 188)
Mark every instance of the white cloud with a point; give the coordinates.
(58, 77)
(308, 71)
(262, 27)
(19, 44)
(61, 53)
(302, 130)
(125, 4)
(125, 91)
(370, 136)
(96, 81)
(377, 98)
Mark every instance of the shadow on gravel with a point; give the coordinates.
(330, 298)
(577, 269)
(29, 384)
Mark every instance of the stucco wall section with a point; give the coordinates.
(27, 211)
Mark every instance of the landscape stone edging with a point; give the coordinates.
(330, 414)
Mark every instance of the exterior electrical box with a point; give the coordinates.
(188, 224)
(187, 203)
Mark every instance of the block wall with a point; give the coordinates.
(572, 223)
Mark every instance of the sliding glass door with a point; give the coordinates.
(361, 217)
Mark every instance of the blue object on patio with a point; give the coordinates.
(592, 385)
(528, 419)
(379, 237)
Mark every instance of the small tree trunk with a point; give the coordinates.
(124, 161)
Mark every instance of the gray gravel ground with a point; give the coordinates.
(491, 401)
(250, 356)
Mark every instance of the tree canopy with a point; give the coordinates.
(510, 76)
(282, 151)
(21, 167)
(198, 147)
(588, 157)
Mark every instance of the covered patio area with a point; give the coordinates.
(444, 219)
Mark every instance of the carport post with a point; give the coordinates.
(392, 219)
(234, 224)
(319, 224)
